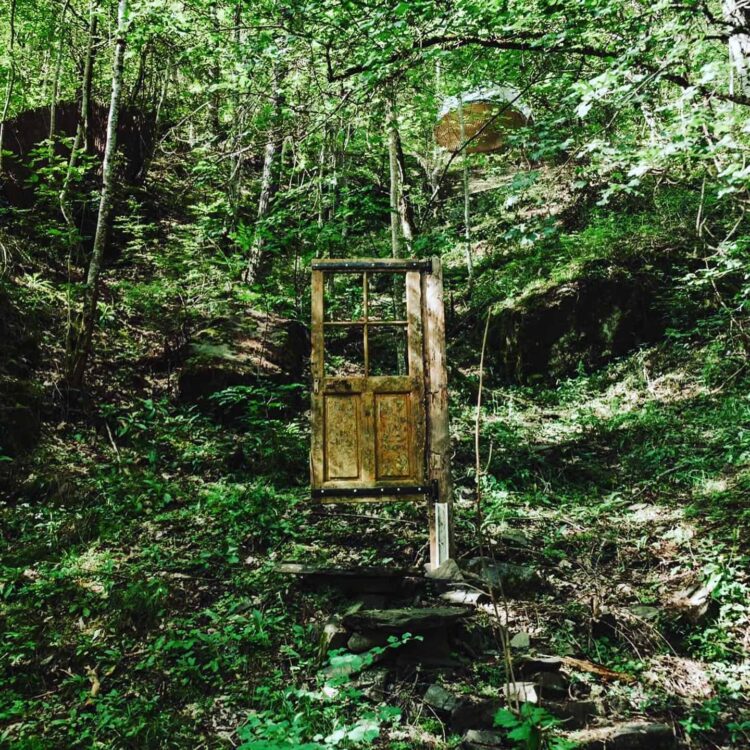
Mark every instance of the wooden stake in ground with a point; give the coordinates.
(438, 439)
(85, 330)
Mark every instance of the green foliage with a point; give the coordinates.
(531, 728)
(333, 715)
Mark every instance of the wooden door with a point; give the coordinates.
(368, 400)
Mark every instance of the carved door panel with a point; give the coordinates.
(368, 410)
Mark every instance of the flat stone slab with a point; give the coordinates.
(366, 580)
(479, 739)
(533, 664)
(440, 699)
(411, 619)
(640, 735)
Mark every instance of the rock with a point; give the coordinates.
(552, 685)
(373, 682)
(411, 620)
(474, 713)
(448, 570)
(645, 613)
(695, 604)
(514, 580)
(529, 665)
(333, 637)
(372, 601)
(520, 692)
(479, 739)
(608, 310)
(245, 351)
(469, 597)
(627, 736)
(575, 714)
(357, 581)
(439, 699)
(358, 643)
(514, 538)
(520, 641)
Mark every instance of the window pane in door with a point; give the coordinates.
(386, 298)
(387, 350)
(343, 297)
(344, 352)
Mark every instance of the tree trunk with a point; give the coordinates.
(84, 331)
(80, 139)
(405, 212)
(56, 78)
(467, 203)
(11, 77)
(394, 177)
(268, 178)
(737, 13)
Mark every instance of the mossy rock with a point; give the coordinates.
(550, 333)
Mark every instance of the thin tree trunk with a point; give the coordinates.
(394, 177)
(268, 180)
(405, 212)
(82, 348)
(737, 13)
(11, 77)
(80, 137)
(321, 176)
(467, 202)
(56, 77)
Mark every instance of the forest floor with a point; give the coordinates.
(143, 606)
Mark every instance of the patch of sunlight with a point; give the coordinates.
(633, 393)
(645, 513)
(92, 560)
(711, 486)
(680, 676)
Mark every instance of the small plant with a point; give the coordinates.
(531, 728)
(331, 716)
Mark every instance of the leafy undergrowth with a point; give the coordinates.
(628, 490)
(141, 606)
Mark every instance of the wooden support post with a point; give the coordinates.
(438, 429)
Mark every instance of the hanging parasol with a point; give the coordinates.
(493, 110)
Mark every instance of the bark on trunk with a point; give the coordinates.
(81, 348)
(405, 211)
(467, 201)
(737, 13)
(11, 77)
(394, 178)
(268, 178)
(80, 139)
(56, 77)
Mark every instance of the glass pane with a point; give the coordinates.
(386, 296)
(342, 296)
(387, 351)
(344, 350)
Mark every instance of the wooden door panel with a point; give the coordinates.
(342, 428)
(369, 429)
(394, 444)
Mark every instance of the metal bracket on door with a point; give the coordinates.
(429, 490)
(386, 266)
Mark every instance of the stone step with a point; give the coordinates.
(639, 735)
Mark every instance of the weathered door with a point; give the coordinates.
(368, 400)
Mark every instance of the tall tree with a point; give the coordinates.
(274, 139)
(737, 14)
(83, 332)
(11, 75)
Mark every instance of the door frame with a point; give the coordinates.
(424, 280)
